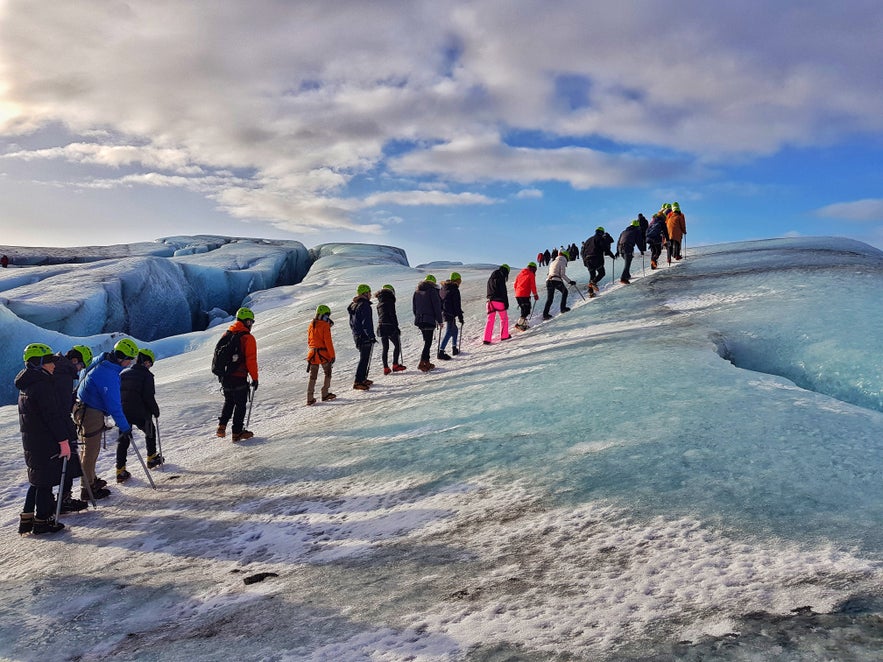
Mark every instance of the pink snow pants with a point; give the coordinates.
(495, 308)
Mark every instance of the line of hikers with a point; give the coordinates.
(62, 403)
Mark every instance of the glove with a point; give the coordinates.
(460, 318)
(125, 436)
(573, 282)
(536, 297)
(254, 384)
(64, 449)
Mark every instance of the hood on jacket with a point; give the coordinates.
(425, 285)
(30, 376)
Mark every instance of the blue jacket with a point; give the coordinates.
(100, 389)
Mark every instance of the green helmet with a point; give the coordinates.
(244, 314)
(667, 205)
(505, 267)
(531, 265)
(636, 223)
(84, 352)
(144, 353)
(363, 289)
(389, 287)
(676, 206)
(37, 350)
(126, 347)
(600, 229)
(455, 276)
(322, 309)
(430, 278)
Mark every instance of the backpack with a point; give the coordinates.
(227, 354)
(588, 248)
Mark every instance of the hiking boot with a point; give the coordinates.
(330, 396)
(123, 475)
(46, 526)
(487, 342)
(155, 460)
(398, 367)
(386, 370)
(443, 355)
(506, 338)
(99, 483)
(369, 382)
(222, 431)
(242, 436)
(455, 350)
(565, 310)
(25, 523)
(425, 366)
(624, 281)
(545, 317)
(71, 505)
(592, 294)
(360, 386)
(97, 492)
(653, 264)
(311, 402)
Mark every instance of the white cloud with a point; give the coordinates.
(870, 209)
(527, 193)
(416, 198)
(298, 98)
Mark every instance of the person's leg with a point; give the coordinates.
(30, 500)
(550, 295)
(122, 452)
(92, 425)
(326, 385)
(362, 368)
(455, 335)
(563, 289)
(489, 325)
(669, 249)
(396, 348)
(311, 382)
(450, 332)
(384, 349)
(240, 404)
(43, 501)
(428, 334)
(227, 409)
(504, 320)
(627, 267)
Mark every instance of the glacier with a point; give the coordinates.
(687, 467)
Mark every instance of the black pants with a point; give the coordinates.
(596, 273)
(149, 437)
(655, 251)
(428, 334)
(627, 267)
(551, 286)
(235, 402)
(396, 340)
(524, 306)
(365, 349)
(674, 249)
(39, 497)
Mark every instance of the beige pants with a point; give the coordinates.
(314, 374)
(91, 423)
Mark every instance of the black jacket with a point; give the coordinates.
(387, 319)
(138, 393)
(361, 320)
(595, 248)
(44, 423)
(426, 305)
(630, 238)
(658, 230)
(451, 304)
(496, 287)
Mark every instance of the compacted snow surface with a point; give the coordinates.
(688, 467)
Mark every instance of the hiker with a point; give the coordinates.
(64, 377)
(362, 325)
(44, 437)
(525, 286)
(426, 305)
(676, 223)
(321, 354)
(497, 304)
(98, 395)
(234, 384)
(625, 248)
(138, 392)
(4, 261)
(594, 250)
(388, 329)
(540, 258)
(555, 281)
(452, 312)
(657, 234)
(547, 258)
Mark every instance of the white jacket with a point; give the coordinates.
(558, 269)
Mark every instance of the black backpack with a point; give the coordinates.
(228, 354)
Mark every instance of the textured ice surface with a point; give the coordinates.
(668, 471)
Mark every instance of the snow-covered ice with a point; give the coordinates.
(677, 469)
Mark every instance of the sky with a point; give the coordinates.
(456, 130)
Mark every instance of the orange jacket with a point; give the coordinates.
(525, 283)
(677, 226)
(249, 349)
(319, 340)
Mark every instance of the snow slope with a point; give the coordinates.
(669, 470)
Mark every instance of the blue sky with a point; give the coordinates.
(456, 130)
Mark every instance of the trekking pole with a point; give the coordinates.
(577, 291)
(141, 460)
(158, 442)
(61, 489)
(250, 403)
(643, 267)
(684, 246)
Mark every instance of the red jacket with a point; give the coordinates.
(249, 349)
(526, 283)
